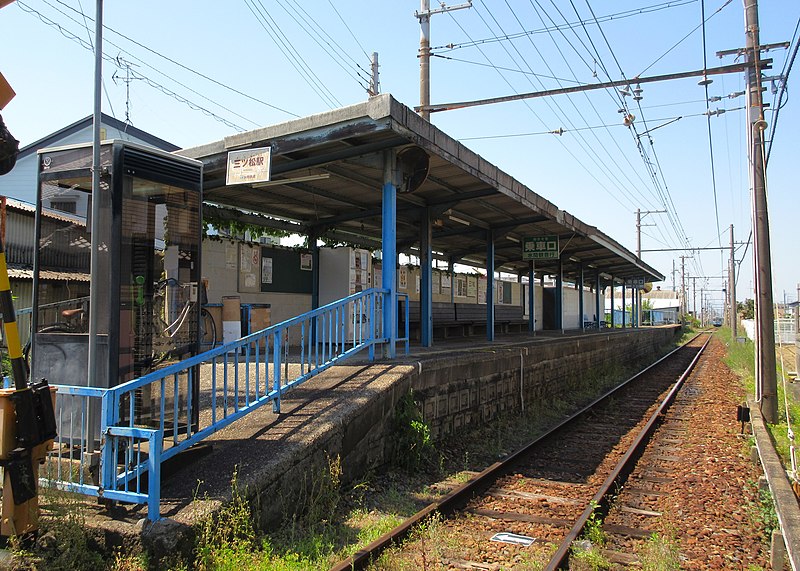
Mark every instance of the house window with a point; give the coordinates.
(69, 206)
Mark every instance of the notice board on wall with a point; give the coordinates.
(286, 271)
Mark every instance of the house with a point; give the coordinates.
(20, 182)
(659, 306)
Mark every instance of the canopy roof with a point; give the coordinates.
(333, 168)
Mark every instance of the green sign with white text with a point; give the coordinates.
(540, 248)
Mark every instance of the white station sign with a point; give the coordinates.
(248, 166)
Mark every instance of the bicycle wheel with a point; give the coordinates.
(208, 331)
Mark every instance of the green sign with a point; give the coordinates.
(540, 248)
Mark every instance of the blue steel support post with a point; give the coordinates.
(312, 244)
(611, 289)
(426, 287)
(531, 297)
(154, 476)
(490, 285)
(559, 297)
(451, 270)
(276, 371)
(582, 324)
(389, 252)
(623, 305)
(110, 410)
(597, 291)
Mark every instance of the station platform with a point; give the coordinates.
(346, 409)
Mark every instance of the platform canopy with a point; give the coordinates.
(327, 172)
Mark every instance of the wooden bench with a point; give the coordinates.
(464, 319)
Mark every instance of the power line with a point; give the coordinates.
(568, 25)
(180, 65)
(292, 55)
(71, 36)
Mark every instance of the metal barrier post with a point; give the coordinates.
(276, 372)
(154, 477)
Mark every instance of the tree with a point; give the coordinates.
(746, 309)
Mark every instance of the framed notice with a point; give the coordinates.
(266, 270)
(306, 262)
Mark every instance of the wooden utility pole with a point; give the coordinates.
(766, 378)
(732, 313)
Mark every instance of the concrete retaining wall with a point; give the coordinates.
(483, 383)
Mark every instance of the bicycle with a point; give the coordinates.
(166, 333)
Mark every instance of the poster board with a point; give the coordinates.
(284, 270)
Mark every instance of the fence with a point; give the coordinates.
(785, 331)
(109, 439)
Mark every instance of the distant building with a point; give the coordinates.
(20, 183)
(663, 306)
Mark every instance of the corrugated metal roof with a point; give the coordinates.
(23, 206)
(332, 165)
(25, 274)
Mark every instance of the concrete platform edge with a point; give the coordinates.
(785, 501)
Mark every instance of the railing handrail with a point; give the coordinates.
(328, 335)
(228, 347)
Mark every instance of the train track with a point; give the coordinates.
(538, 502)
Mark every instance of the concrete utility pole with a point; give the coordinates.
(766, 378)
(684, 305)
(424, 17)
(732, 290)
(374, 81)
(797, 335)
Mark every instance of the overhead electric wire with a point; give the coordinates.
(679, 42)
(708, 118)
(292, 55)
(344, 22)
(601, 144)
(183, 66)
(152, 83)
(539, 12)
(608, 17)
(501, 68)
(787, 69)
(336, 53)
(535, 114)
(73, 37)
(553, 105)
(671, 210)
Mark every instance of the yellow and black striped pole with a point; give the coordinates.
(19, 371)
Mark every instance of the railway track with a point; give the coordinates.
(538, 502)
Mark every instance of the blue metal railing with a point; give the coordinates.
(148, 420)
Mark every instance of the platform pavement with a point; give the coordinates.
(262, 444)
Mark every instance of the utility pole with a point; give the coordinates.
(639, 227)
(424, 17)
(684, 306)
(374, 81)
(732, 290)
(766, 378)
(674, 271)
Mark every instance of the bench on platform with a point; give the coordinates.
(465, 319)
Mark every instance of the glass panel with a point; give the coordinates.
(159, 270)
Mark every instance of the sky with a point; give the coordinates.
(196, 71)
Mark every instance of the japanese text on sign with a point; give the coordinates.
(248, 166)
(540, 248)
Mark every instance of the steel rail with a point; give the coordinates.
(619, 475)
(459, 497)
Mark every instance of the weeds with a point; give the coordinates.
(660, 553)
(413, 443)
(226, 539)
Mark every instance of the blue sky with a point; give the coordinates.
(201, 70)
